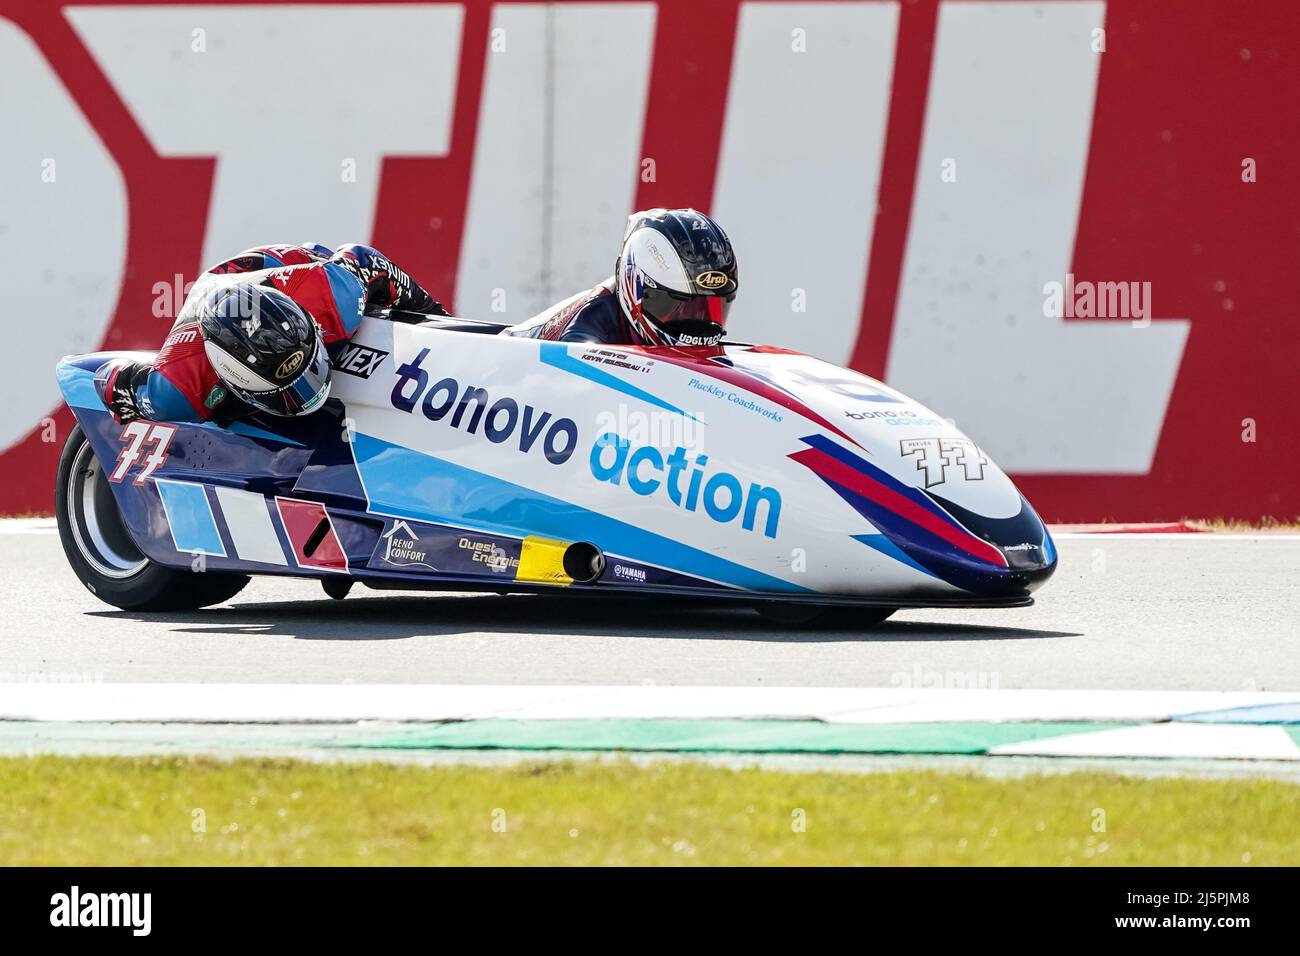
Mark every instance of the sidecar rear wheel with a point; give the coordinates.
(104, 557)
(815, 617)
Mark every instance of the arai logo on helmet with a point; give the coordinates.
(711, 280)
(289, 366)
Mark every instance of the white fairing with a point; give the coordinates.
(849, 400)
(641, 453)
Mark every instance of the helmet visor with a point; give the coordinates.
(670, 308)
(304, 394)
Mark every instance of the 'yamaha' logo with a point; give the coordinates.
(289, 366)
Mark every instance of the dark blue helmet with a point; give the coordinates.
(265, 348)
(676, 276)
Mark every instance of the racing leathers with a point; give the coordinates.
(591, 316)
(335, 289)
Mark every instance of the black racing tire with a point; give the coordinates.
(104, 557)
(822, 617)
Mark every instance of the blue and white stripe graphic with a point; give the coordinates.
(411, 484)
(556, 355)
(189, 515)
(251, 530)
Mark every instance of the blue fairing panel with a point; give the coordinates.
(191, 518)
(403, 482)
(165, 508)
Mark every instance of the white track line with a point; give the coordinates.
(312, 703)
(28, 526)
(1195, 741)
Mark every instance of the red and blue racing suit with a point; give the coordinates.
(335, 289)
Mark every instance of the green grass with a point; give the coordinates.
(1263, 524)
(130, 811)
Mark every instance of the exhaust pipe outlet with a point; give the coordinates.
(584, 562)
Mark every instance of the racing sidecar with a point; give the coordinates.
(451, 458)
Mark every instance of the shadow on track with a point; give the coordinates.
(399, 617)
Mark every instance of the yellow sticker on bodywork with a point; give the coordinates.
(542, 560)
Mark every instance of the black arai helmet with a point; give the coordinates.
(265, 348)
(676, 277)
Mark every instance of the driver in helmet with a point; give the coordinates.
(253, 333)
(673, 284)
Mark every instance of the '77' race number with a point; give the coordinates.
(139, 435)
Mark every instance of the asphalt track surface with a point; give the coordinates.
(1196, 612)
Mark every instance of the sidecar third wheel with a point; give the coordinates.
(814, 617)
(337, 588)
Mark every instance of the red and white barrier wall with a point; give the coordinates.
(903, 182)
